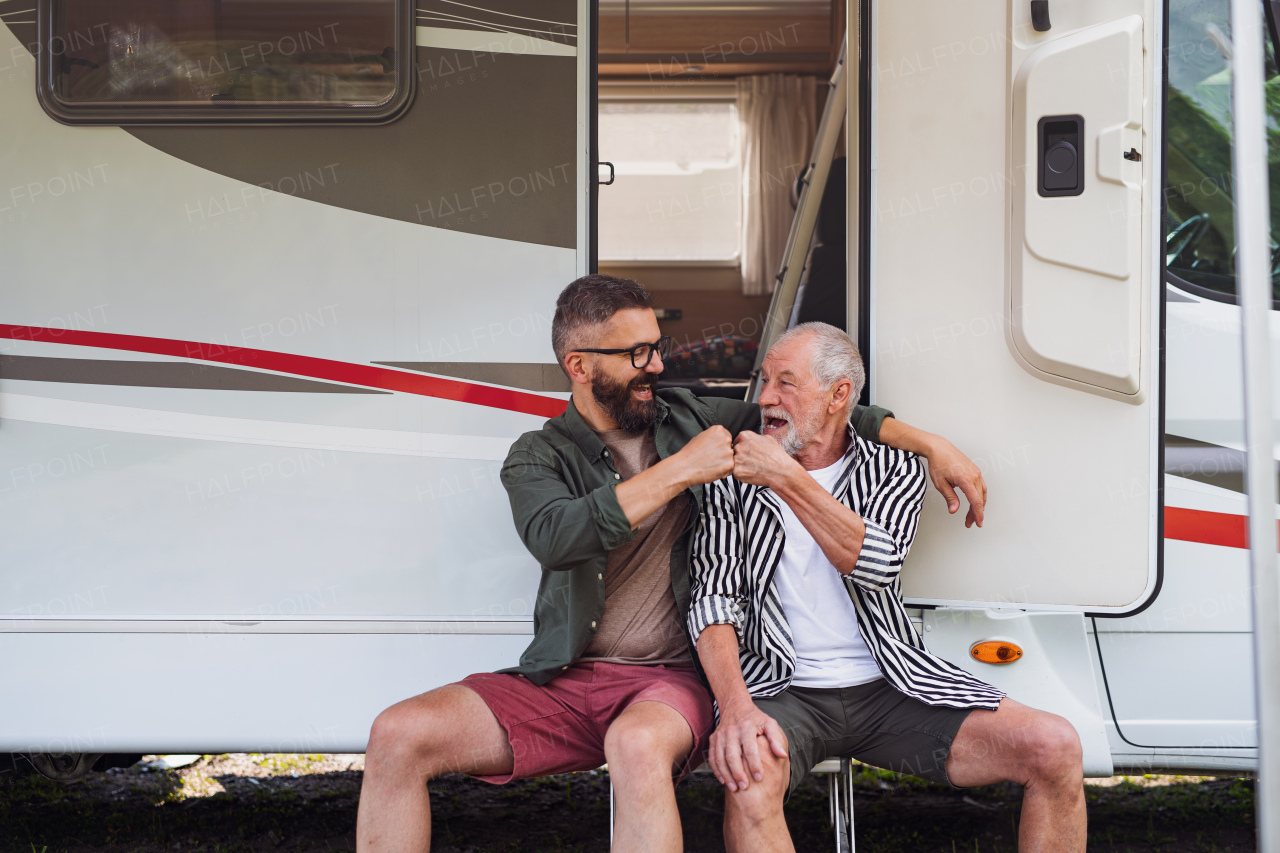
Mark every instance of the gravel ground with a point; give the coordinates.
(259, 803)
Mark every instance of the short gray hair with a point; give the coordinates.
(833, 357)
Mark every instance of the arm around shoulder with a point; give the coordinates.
(868, 420)
(734, 415)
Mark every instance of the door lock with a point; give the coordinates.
(1060, 170)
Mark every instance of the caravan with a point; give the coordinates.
(276, 300)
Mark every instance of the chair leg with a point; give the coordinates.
(841, 794)
(833, 788)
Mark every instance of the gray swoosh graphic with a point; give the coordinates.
(161, 374)
(530, 377)
(1206, 463)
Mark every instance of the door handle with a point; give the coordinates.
(1060, 170)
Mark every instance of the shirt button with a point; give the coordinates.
(600, 576)
(606, 453)
(593, 624)
(617, 476)
(564, 667)
(778, 535)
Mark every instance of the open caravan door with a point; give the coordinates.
(1010, 234)
(277, 290)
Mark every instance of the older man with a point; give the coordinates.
(799, 623)
(604, 497)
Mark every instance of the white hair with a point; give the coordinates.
(832, 357)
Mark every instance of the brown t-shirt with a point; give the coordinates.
(641, 623)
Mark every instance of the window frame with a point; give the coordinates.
(643, 92)
(116, 115)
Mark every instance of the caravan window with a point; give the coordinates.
(1201, 226)
(678, 191)
(157, 61)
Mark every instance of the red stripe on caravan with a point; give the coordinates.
(300, 365)
(1210, 528)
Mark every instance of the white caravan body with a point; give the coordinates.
(256, 382)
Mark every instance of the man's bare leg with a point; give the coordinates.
(1040, 751)
(449, 730)
(643, 746)
(753, 818)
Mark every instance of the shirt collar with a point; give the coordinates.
(587, 439)
(850, 458)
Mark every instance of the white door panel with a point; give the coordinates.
(1066, 436)
(1075, 293)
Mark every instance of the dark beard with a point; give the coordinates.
(615, 398)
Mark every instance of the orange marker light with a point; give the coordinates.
(996, 651)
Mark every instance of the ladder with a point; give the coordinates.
(813, 183)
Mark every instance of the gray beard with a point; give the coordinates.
(792, 441)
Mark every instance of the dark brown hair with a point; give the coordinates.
(591, 301)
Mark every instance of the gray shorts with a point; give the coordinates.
(874, 723)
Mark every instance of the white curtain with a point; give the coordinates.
(778, 118)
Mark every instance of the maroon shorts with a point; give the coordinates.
(560, 726)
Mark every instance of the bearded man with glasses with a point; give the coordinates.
(606, 497)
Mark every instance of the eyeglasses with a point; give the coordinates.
(641, 354)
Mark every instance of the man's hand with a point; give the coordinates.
(950, 470)
(734, 755)
(760, 461)
(707, 458)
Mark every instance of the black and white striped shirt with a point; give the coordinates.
(737, 548)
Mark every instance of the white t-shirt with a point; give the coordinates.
(830, 651)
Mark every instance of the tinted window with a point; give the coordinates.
(160, 59)
(1201, 238)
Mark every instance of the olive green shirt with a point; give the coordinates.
(560, 481)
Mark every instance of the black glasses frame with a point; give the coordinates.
(662, 346)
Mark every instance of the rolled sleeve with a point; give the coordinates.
(878, 561)
(560, 530)
(717, 564)
(612, 523)
(891, 519)
(715, 610)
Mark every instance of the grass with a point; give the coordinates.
(308, 803)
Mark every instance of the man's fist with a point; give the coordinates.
(760, 460)
(708, 457)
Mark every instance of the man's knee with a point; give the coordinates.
(637, 749)
(1055, 754)
(762, 800)
(409, 736)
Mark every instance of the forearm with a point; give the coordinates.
(647, 492)
(718, 652)
(895, 433)
(838, 530)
